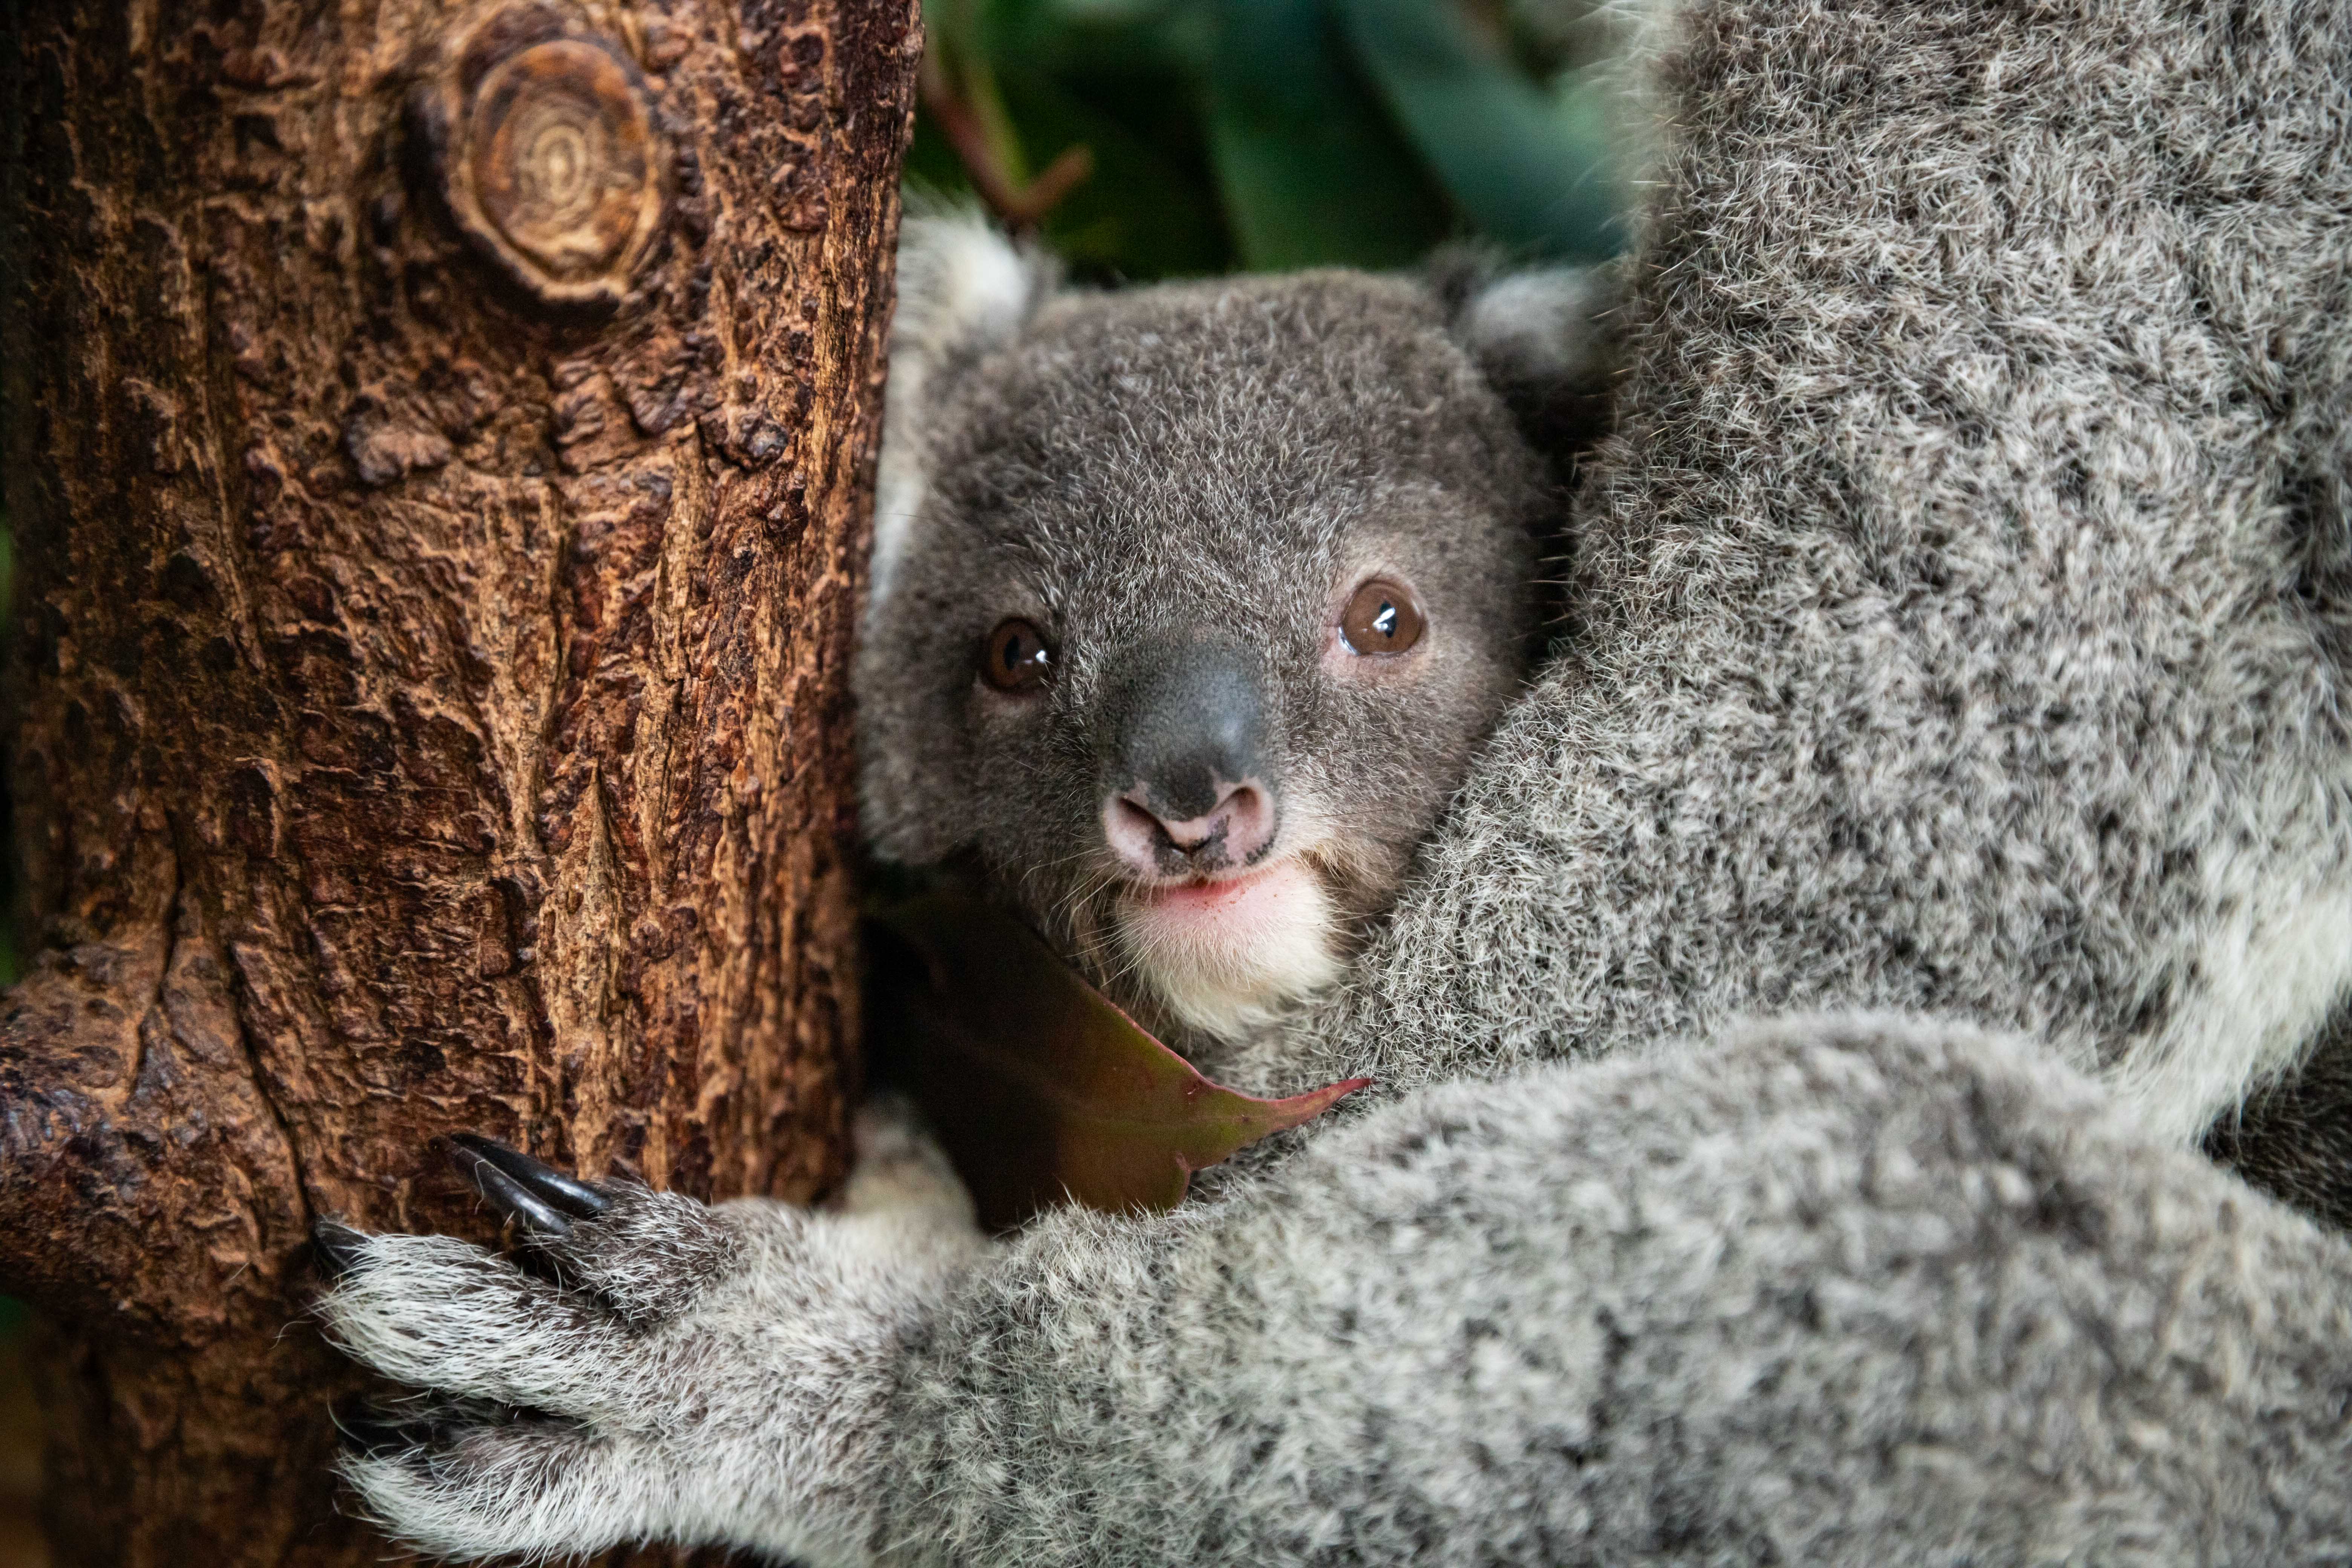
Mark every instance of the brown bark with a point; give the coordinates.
(439, 443)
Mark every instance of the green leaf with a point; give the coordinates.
(1313, 172)
(1528, 169)
(1040, 1090)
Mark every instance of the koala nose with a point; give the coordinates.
(1189, 789)
(1237, 828)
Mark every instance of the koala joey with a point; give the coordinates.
(1191, 603)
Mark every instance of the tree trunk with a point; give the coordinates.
(439, 440)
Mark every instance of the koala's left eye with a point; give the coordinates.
(1017, 657)
(1382, 618)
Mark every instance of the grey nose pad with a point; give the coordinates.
(1188, 771)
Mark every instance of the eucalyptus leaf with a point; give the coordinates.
(1041, 1090)
(1079, 40)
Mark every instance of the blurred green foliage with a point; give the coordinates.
(1269, 134)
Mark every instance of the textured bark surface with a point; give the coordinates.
(438, 441)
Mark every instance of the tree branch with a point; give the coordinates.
(1019, 207)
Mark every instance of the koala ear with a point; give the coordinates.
(963, 289)
(1550, 341)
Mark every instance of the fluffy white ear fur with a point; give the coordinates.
(1539, 328)
(964, 289)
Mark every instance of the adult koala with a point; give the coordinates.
(1961, 617)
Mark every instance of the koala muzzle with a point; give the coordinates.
(1190, 788)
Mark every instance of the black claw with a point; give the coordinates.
(542, 1201)
(514, 1200)
(339, 1248)
(553, 1189)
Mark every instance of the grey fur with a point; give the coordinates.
(1961, 612)
(2293, 1138)
(1867, 1292)
(1192, 475)
(1960, 605)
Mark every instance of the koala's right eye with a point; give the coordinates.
(1017, 657)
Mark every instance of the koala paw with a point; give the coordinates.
(662, 1370)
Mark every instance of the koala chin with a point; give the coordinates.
(1193, 603)
(1228, 956)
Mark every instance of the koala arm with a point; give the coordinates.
(665, 1371)
(1836, 1290)
(1832, 1291)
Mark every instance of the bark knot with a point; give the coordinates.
(548, 155)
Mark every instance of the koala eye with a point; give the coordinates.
(1017, 657)
(1382, 618)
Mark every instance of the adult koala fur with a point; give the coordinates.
(1960, 630)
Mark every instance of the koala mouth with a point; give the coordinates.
(1207, 896)
(1228, 954)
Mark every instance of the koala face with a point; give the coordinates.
(1193, 603)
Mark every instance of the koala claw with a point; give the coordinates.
(663, 1369)
(536, 1197)
(338, 1247)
